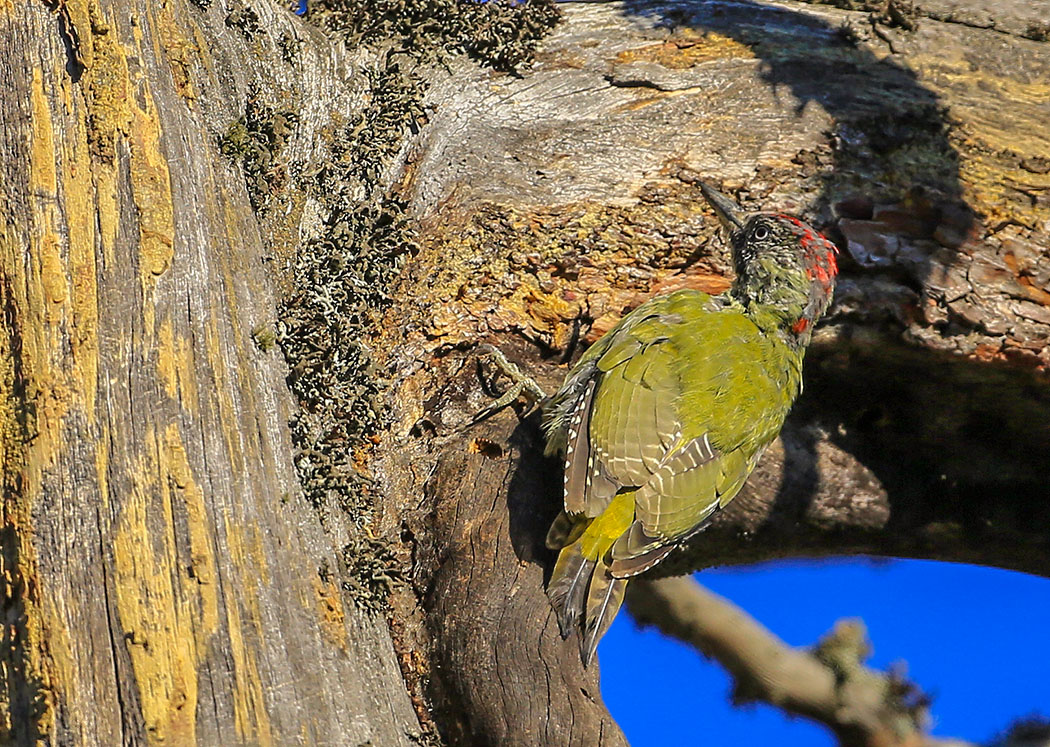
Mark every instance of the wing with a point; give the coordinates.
(733, 393)
(674, 404)
(691, 484)
(617, 385)
(633, 417)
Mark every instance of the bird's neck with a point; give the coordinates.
(779, 302)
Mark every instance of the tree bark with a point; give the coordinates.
(160, 562)
(184, 184)
(552, 203)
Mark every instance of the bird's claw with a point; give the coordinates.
(521, 384)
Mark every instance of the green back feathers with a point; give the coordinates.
(680, 368)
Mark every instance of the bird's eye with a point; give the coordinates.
(761, 233)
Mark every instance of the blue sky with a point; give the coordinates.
(975, 638)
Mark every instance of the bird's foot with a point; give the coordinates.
(521, 384)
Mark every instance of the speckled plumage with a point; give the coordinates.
(663, 419)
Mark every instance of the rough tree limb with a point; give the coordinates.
(160, 563)
(552, 203)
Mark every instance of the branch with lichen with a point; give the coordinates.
(829, 683)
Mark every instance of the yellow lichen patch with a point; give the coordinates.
(992, 142)
(175, 366)
(34, 253)
(26, 657)
(953, 74)
(78, 15)
(202, 47)
(79, 192)
(151, 192)
(646, 98)
(12, 435)
(246, 549)
(47, 289)
(166, 359)
(168, 603)
(42, 175)
(545, 271)
(995, 184)
(161, 649)
(202, 557)
(249, 706)
(107, 84)
(178, 50)
(330, 611)
(44, 184)
(52, 274)
(686, 52)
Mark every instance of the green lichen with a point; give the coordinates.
(289, 47)
(255, 142)
(502, 35)
(373, 572)
(244, 19)
(341, 279)
(340, 288)
(264, 337)
(340, 282)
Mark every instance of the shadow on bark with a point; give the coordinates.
(533, 496)
(960, 447)
(888, 127)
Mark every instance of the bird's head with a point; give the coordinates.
(785, 269)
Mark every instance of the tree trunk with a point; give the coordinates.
(161, 563)
(193, 555)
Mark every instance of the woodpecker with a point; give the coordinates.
(663, 418)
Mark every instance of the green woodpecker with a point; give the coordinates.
(663, 419)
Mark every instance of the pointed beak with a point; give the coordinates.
(729, 212)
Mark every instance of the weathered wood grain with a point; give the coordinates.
(164, 578)
(160, 562)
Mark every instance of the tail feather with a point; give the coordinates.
(633, 566)
(564, 531)
(603, 602)
(585, 597)
(567, 589)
